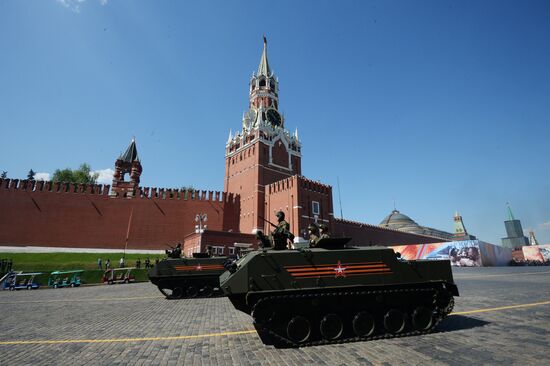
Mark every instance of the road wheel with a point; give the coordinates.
(331, 327)
(363, 324)
(298, 329)
(422, 318)
(177, 293)
(207, 291)
(192, 291)
(262, 313)
(394, 321)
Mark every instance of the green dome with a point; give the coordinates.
(399, 221)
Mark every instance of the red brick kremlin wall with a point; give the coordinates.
(366, 235)
(85, 216)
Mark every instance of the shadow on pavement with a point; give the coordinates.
(460, 322)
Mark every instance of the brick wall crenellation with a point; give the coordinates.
(104, 189)
(86, 216)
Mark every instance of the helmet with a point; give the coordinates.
(312, 227)
(323, 227)
(280, 215)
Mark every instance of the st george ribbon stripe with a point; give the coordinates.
(308, 269)
(335, 264)
(347, 271)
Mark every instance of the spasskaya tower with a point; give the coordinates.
(263, 152)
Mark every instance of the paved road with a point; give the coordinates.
(133, 324)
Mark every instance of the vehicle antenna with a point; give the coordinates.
(339, 197)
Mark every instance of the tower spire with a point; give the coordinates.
(263, 69)
(510, 214)
(131, 153)
(127, 163)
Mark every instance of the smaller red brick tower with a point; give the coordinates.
(127, 163)
(263, 152)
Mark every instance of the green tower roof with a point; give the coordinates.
(510, 214)
(131, 153)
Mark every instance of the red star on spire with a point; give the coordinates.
(340, 271)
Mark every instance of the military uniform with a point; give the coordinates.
(280, 235)
(313, 240)
(282, 227)
(324, 231)
(174, 253)
(313, 235)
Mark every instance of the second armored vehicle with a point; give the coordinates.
(178, 278)
(319, 295)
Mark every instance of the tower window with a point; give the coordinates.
(315, 207)
(262, 82)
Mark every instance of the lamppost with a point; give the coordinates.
(200, 219)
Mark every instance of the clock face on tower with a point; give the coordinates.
(274, 117)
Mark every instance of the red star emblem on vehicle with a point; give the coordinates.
(199, 267)
(340, 271)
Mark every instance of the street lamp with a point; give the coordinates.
(200, 219)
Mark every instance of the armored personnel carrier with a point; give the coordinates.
(180, 278)
(333, 293)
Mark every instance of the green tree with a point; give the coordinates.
(31, 174)
(81, 175)
(4, 174)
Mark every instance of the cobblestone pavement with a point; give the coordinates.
(155, 331)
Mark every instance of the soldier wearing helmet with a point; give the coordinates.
(281, 233)
(323, 229)
(313, 232)
(279, 237)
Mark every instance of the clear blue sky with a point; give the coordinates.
(436, 105)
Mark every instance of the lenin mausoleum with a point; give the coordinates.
(263, 174)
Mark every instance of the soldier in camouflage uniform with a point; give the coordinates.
(281, 234)
(313, 232)
(278, 239)
(324, 231)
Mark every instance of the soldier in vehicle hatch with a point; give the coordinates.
(313, 232)
(279, 237)
(174, 252)
(323, 229)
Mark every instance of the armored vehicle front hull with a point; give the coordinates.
(321, 296)
(188, 277)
